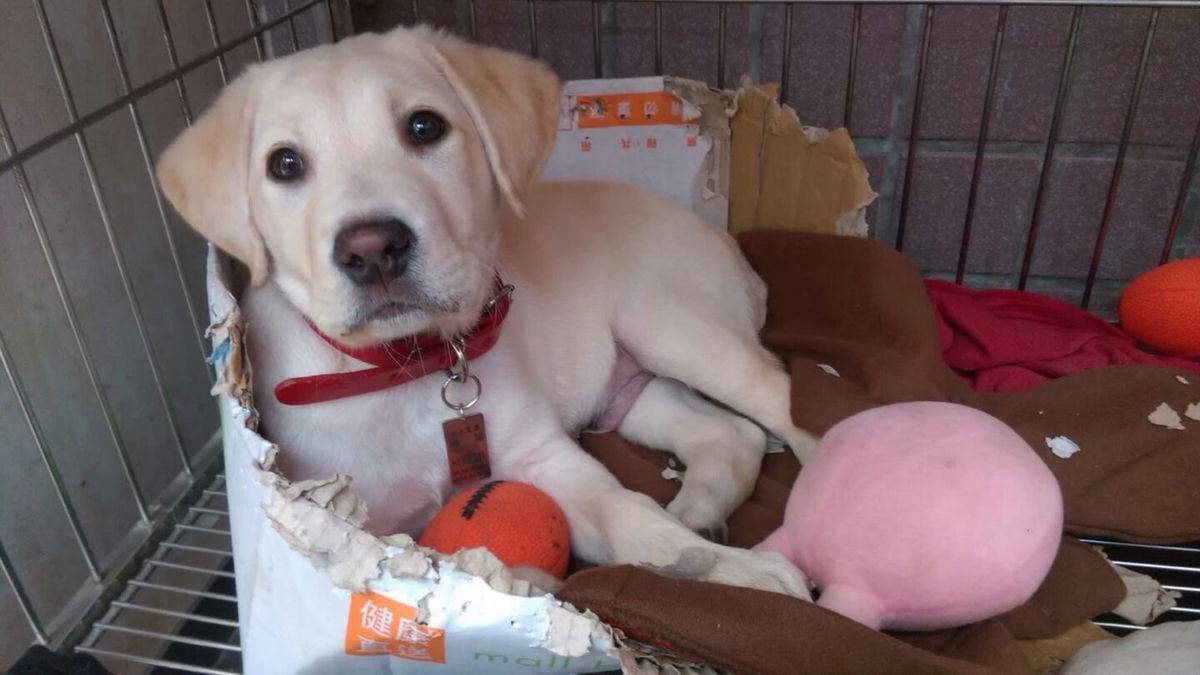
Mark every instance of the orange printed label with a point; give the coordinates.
(618, 110)
(378, 626)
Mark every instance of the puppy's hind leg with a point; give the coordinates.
(718, 355)
(722, 451)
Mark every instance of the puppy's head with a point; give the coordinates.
(369, 179)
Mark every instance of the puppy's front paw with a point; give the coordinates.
(765, 570)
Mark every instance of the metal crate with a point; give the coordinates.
(161, 598)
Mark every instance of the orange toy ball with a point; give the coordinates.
(1161, 308)
(517, 522)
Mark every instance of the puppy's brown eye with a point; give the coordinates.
(425, 127)
(285, 165)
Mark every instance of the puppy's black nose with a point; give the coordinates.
(373, 251)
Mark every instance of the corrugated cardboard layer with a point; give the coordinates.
(785, 175)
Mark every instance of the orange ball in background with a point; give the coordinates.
(1161, 308)
(518, 523)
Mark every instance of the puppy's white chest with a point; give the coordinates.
(389, 442)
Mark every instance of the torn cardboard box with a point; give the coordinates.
(740, 159)
(318, 594)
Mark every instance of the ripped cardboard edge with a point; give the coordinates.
(639, 658)
(1145, 598)
(789, 176)
(321, 519)
(711, 109)
(227, 333)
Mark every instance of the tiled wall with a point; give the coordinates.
(955, 78)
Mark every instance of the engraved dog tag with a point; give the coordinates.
(467, 450)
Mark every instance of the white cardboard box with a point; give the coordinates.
(319, 595)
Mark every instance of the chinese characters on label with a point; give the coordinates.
(378, 625)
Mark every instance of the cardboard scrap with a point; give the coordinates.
(1145, 599)
(785, 175)
(1165, 416)
(1193, 411)
(1062, 446)
(829, 369)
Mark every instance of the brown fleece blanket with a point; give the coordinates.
(860, 306)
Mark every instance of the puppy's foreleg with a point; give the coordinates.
(612, 525)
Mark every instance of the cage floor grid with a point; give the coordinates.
(1177, 568)
(178, 614)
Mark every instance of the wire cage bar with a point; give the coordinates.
(1064, 84)
(153, 603)
(35, 217)
(144, 147)
(131, 295)
(184, 530)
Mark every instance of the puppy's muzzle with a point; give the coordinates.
(373, 251)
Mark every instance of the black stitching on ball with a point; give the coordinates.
(478, 498)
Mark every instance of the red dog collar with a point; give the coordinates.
(397, 362)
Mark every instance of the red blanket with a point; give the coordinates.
(1005, 340)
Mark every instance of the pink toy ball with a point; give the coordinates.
(921, 516)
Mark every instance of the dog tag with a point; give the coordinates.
(466, 448)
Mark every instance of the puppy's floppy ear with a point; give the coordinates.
(513, 102)
(204, 175)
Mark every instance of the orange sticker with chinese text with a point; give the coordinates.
(379, 626)
(631, 109)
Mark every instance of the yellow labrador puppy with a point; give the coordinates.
(377, 189)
